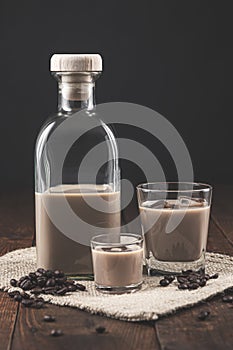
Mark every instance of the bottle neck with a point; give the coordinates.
(76, 91)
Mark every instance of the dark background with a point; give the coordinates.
(173, 56)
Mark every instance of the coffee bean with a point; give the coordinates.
(25, 295)
(170, 278)
(192, 278)
(48, 273)
(32, 276)
(36, 290)
(62, 291)
(51, 282)
(80, 287)
(193, 286)
(227, 299)
(187, 272)
(203, 315)
(181, 279)
(56, 332)
(41, 270)
(13, 282)
(27, 302)
(41, 281)
(164, 282)
(26, 285)
(12, 294)
(58, 274)
(183, 286)
(202, 282)
(18, 297)
(39, 299)
(100, 329)
(49, 318)
(72, 288)
(215, 276)
(207, 277)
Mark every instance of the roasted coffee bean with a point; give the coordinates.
(36, 290)
(193, 286)
(27, 302)
(32, 276)
(170, 278)
(51, 282)
(181, 279)
(183, 286)
(203, 315)
(25, 295)
(56, 332)
(13, 282)
(62, 291)
(192, 278)
(207, 277)
(18, 297)
(49, 290)
(100, 329)
(41, 281)
(41, 270)
(202, 282)
(164, 282)
(80, 287)
(187, 272)
(214, 276)
(227, 299)
(72, 288)
(26, 285)
(48, 273)
(59, 274)
(12, 294)
(49, 318)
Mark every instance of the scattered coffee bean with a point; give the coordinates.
(80, 287)
(62, 291)
(49, 318)
(203, 315)
(12, 294)
(192, 286)
(202, 283)
(18, 297)
(214, 276)
(164, 282)
(170, 278)
(100, 329)
(227, 299)
(56, 332)
(182, 286)
(13, 282)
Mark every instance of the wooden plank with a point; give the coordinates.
(223, 210)
(184, 331)
(16, 231)
(79, 331)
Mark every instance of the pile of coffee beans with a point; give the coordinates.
(188, 279)
(43, 282)
(26, 300)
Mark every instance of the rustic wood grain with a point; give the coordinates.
(79, 330)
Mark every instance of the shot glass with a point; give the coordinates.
(117, 265)
(174, 219)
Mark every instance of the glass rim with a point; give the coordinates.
(205, 187)
(138, 239)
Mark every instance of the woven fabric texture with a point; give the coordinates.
(151, 302)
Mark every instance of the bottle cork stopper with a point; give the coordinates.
(76, 63)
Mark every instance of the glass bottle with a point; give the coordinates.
(77, 181)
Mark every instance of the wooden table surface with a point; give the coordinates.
(22, 328)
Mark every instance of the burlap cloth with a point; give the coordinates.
(151, 302)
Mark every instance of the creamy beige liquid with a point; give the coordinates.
(117, 268)
(54, 249)
(186, 242)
